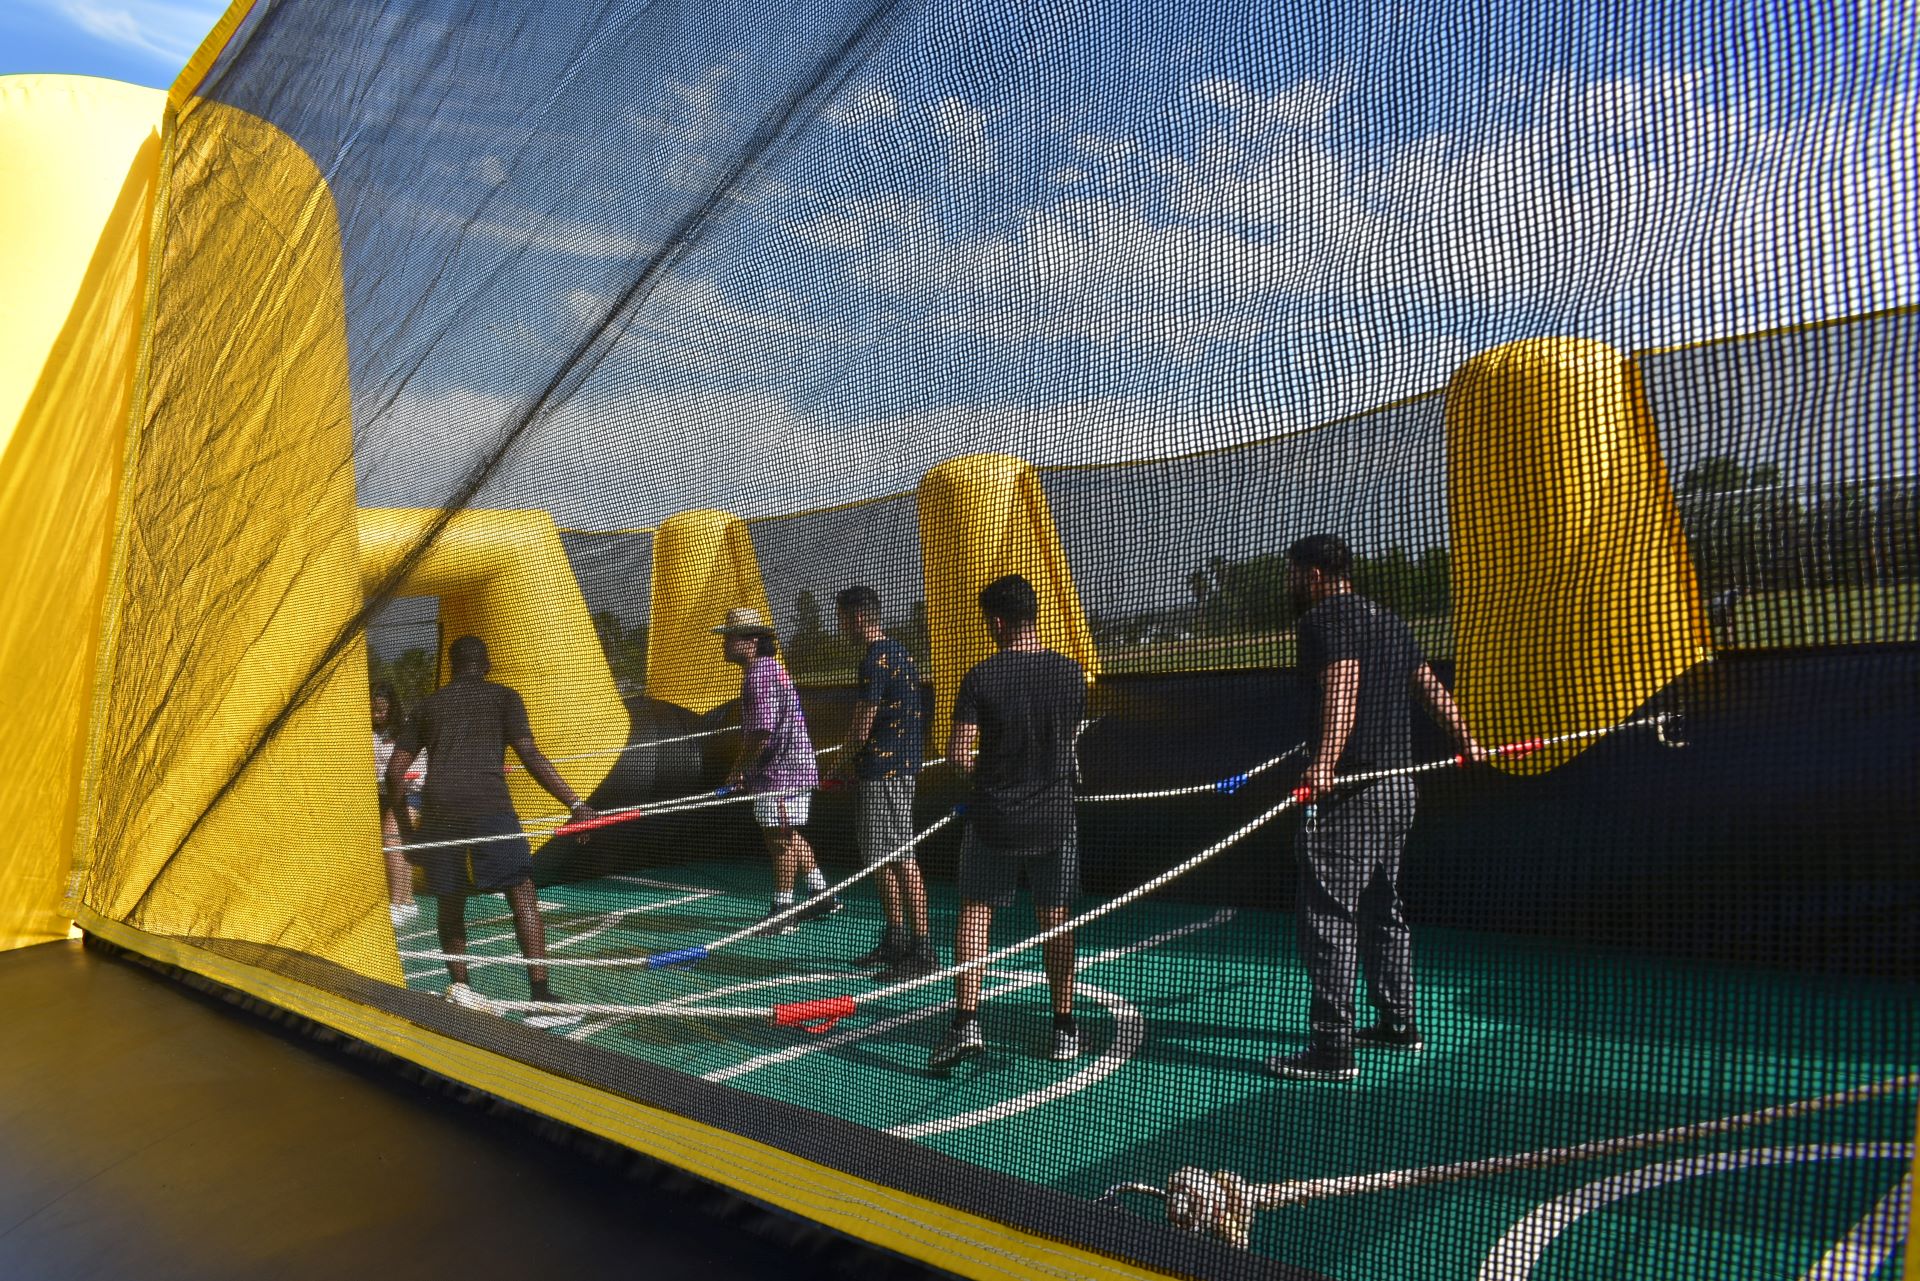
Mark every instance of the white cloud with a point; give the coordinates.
(963, 127)
(865, 105)
(167, 29)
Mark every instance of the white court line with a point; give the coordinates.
(1021, 979)
(1129, 1033)
(1520, 1250)
(1862, 1251)
(610, 919)
(691, 893)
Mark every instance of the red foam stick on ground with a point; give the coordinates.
(1521, 748)
(595, 824)
(813, 1016)
(1302, 794)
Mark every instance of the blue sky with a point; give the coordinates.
(142, 41)
(1075, 231)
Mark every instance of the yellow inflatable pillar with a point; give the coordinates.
(504, 576)
(80, 159)
(982, 517)
(1574, 597)
(703, 565)
(229, 790)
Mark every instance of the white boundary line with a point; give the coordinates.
(1129, 1033)
(1519, 1251)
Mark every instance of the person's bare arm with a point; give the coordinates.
(752, 745)
(1339, 705)
(859, 730)
(1442, 708)
(548, 777)
(396, 783)
(963, 744)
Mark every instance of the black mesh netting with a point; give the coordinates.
(1214, 269)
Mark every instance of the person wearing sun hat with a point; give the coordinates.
(775, 764)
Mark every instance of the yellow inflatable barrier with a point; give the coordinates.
(1574, 596)
(503, 576)
(703, 565)
(73, 267)
(982, 517)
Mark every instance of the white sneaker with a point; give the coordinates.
(468, 999)
(403, 913)
(546, 1022)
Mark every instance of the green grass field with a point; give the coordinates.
(1531, 1046)
(1823, 616)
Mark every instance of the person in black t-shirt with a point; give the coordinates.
(882, 757)
(1363, 670)
(1014, 722)
(466, 728)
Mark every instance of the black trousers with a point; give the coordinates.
(1350, 908)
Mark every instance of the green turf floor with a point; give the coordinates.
(1530, 1046)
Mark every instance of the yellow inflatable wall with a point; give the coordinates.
(703, 565)
(503, 576)
(228, 779)
(1574, 595)
(73, 263)
(982, 517)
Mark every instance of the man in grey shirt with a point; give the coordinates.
(1363, 670)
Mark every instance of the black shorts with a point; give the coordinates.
(484, 867)
(992, 875)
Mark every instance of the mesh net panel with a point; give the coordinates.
(1589, 327)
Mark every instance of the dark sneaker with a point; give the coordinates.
(1388, 1035)
(1316, 1064)
(883, 954)
(912, 963)
(957, 1045)
(818, 906)
(1066, 1045)
(769, 927)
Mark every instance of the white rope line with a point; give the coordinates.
(1112, 905)
(644, 962)
(1237, 780)
(1223, 1204)
(546, 825)
(802, 904)
(633, 747)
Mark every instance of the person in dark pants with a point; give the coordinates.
(1363, 670)
(883, 757)
(1015, 718)
(466, 727)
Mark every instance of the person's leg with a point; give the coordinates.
(912, 890)
(1331, 876)
(453, 933)
(785, 868)
(531, 931)
(399, 877)
(986, 879)
(887, 882)
(1331, 873)
(1386, 943)
(970, 944)
(1058, 955)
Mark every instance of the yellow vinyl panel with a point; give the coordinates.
(503, 576)
(229, 777)
(80, 156)
(1575, 599)
(703, 565)
(982, 517)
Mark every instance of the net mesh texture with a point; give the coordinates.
(1589, 327)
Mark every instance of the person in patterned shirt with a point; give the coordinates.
(883, 757)
(776, 766)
